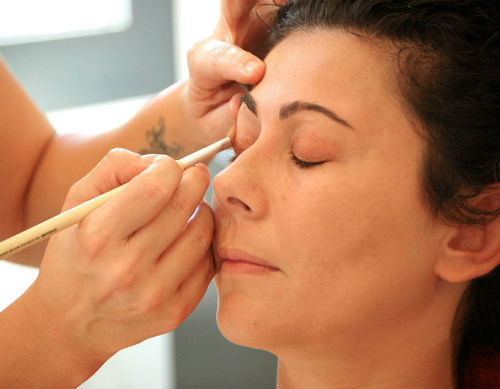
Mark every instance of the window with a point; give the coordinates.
(118, 48)
(23, 21)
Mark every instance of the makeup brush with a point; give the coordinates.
(74, 215)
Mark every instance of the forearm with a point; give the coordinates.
(24, 135)
(37, 354)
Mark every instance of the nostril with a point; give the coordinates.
(235, 201)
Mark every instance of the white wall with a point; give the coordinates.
(194, 20)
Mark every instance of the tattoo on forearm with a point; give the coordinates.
(157, 144)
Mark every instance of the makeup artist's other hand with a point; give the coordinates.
(221, 62)
(134, 268)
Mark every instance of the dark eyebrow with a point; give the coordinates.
(289, 109)
(249, 101)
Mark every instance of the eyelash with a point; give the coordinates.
(304, 164)
(298, 162)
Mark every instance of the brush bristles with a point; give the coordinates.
(231, 133)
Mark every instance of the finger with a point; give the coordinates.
(183, 255)
(222, 115)
(234, 10)
(213, 63)
(225, 94)
(156, 236)
(228, 111)
(193, 288)
(174, 307)
(116, 168)
(205, 105)
(138, 203)
(234, 105)
(245, 23)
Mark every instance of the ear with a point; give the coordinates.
(471, 251)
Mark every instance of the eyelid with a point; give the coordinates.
(304, 164)
(300, 163)
(244, 139)
(247, 131)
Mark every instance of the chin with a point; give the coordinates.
(234, 323)
(242, 323)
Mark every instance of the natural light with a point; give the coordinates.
(24, 21)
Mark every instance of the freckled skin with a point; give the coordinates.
(353, 237)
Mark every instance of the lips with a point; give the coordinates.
(235, 261)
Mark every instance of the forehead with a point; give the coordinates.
(328, 67)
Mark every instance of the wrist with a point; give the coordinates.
(167, 122)
(63, 360)
(189, 120)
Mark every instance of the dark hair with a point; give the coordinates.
(449, 71)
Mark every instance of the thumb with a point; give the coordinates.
(213, 63)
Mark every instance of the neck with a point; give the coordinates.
(412, 352)
(415, 367)
(415, 351)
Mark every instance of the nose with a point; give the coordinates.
(239, 188)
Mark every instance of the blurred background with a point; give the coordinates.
(90, 65)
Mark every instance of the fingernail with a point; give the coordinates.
(250, 66)
(203, 167)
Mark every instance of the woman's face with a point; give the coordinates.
(323, 237)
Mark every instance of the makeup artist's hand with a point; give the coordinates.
(220, 63)
(134, 268)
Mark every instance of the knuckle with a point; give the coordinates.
(197, 181)
(118, 281)
(74, 190)
(154, 190)
(118, 157)
(113, 155)
(179, 203)
(92, 239)
(153, 302)
(222, 49)
(119, 153)
(220, 53)
(203, 231)
(156, 181)
(193, 52)
(200, 177)
(171, 164)
(166, 166)
(125, 276)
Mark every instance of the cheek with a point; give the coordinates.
(308, 227)
(350, 251)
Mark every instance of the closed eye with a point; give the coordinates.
(304, 164)
(299, 162)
